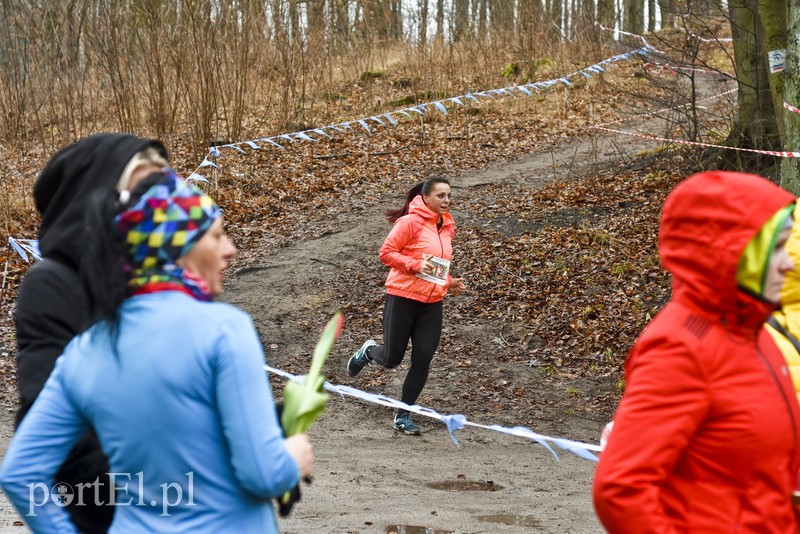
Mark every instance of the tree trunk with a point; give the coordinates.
(502, 17)
(461, 26)
(423, 22)
(315, 10)
(439, 21)
(633, 16)
(483, 12)
(587, 15)
(396, 19)
(790, 167)
(606, 13)
(554, 18)
(340, 38)
(755, 125)
(667, 8)
(376, 19)
(294, 23)
(528, 25)
(772, 14)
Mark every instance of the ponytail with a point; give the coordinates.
(103, 264)
(422, 188)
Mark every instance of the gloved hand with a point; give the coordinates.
(285, 508)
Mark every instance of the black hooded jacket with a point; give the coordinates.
(63, 188)
(52, 306)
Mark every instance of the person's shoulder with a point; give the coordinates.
(678, 330)
(217, 312)
(224, 309)
(410, 218)
(47, 270)
(223, 321)
(185, 316)
(677, 321)
(183, 307)
(449, 223)
(409, 222)
(82, 349)
(52, 284)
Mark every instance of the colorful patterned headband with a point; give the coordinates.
(166, 222)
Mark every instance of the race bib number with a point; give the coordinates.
(441, 268)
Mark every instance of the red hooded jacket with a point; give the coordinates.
(705, 437)
(413, 235)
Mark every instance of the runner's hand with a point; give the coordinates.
(457, 286)
(299, 447)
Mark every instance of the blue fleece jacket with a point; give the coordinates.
(184, 411)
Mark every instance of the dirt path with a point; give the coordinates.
(371, 479)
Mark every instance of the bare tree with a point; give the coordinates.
(461, 20)
(423, 22)
(606, 13)
(772, 15)
(376, 19)
(667, 8)
(633, 16)
(396, 19)
(502, 17)
(756, 124)
(790, 169)
(340, 38)
(439, 21)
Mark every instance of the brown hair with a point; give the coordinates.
(422, 188)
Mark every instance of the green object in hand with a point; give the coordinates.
(304, 402)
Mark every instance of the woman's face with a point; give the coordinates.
(209, 257)
(779, 264)
(438, 199)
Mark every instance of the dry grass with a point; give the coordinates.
(194, 80)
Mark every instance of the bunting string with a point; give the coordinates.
(456, 421)
(779, 153)
(25, 247)
(29, 251)
(638, 36)
(621, 32)
(665, 110)
(385, 120)
(791, 107)
(706, 39)
(660, 68)
(713, 40)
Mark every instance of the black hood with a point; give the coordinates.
(63, 188)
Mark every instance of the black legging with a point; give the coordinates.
(405, 319)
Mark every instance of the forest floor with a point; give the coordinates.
(372, 479)
(556, 237)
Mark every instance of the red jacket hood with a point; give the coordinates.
(706, 223)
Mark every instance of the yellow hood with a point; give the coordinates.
(790, 294)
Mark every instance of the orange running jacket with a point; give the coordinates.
(413, 235)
